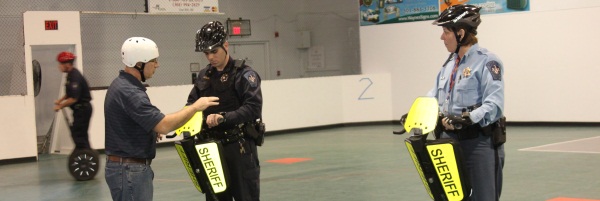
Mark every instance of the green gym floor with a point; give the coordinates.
(558, 163)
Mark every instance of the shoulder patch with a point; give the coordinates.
(495, 70)
(252, 78)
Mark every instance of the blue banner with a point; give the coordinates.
(374, 12)
(490, 6)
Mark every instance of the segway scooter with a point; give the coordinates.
(83, 164)
(439, 162)
(202, 158)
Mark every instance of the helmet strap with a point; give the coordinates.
(141, 70)
(224, 49)
(459, 42)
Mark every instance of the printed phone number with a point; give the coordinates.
(420, 9)
(186, 4)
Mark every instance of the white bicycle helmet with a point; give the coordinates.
(138, 49)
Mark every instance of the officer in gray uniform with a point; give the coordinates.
(238, 88)
(470, 91)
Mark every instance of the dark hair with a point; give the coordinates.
(471, 34)
(471, 38)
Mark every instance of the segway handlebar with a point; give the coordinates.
(400, 132)
(175, 134)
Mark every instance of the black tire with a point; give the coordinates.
(84, 164)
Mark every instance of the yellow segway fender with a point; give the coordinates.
(192, 127)
(423, 114)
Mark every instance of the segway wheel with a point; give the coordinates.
(84, 164)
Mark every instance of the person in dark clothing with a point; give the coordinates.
(78, 98)
(238, 88)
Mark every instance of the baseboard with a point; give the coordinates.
(553, 124)
(18, 160)
(322, 127)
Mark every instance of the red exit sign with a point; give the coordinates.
(237, 30)
(51, 25)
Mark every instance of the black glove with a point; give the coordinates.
(460, 122)
(402, 122)
(403, 119)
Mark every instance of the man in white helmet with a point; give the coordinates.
(133, 124)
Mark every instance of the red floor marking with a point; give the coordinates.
(570, 199)
(288, 161)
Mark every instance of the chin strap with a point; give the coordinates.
(141, 70)
(459, 42)
(224, 49)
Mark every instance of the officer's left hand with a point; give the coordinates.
(213, 120)
(159, 137)
(457, 122)
(57, 108)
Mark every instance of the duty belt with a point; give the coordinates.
(471, 132)
(225, 136)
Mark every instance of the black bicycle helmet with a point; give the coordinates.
(210, 36)
(461, 16)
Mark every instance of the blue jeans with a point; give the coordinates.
(129, 181)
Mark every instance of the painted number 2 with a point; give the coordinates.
(361, 97)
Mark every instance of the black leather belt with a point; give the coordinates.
(119, 159)
(470, 132)
(80, 105)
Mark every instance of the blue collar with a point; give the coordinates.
(131, 79)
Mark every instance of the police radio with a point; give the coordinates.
(194, 69)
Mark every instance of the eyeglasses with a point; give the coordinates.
(154, 60)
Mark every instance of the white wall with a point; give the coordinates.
(287, 104)
(17, 139)
(548, 53)
(18, 112)
(103, 35)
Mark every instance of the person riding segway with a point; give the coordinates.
(83, 162)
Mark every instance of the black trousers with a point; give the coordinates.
(81, 123)
(244, 172)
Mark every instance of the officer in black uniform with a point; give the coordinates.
(240, 97)
(78, 98)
